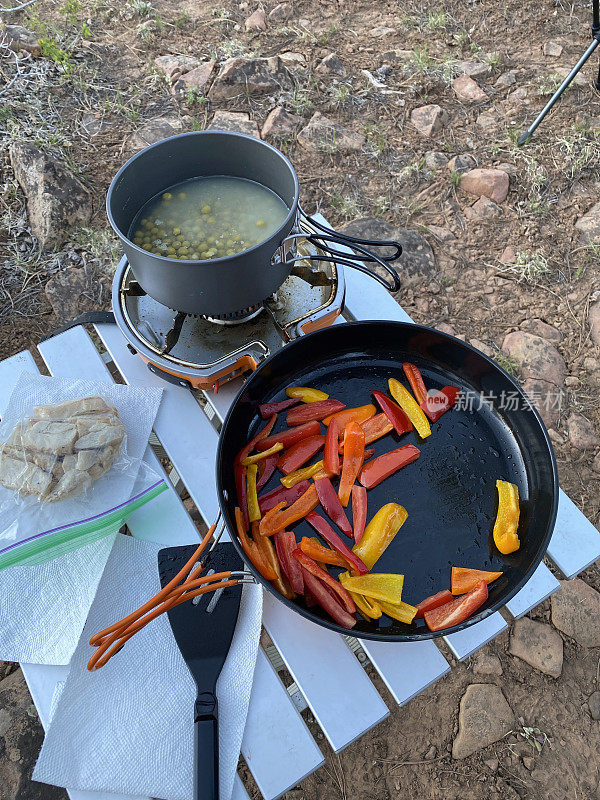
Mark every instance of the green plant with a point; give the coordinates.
(436, 20)
(301, 101)
(340, 93)
(70, 9)
(493, 59)
(455, 177)
(508, 363)
(194, 97)
(420, 59)
(529, 267)
(52, 50)
(182, 20)
(548, 84)
(346, 206)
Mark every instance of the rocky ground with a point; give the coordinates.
(401, 120)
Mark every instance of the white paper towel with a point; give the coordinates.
(128, 728)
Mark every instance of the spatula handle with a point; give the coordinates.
(206, 748)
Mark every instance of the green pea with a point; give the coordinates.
(167, 196)
(260, 223)
(205, 209)
(176, 231)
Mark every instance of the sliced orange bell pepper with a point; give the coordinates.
(417, 383)
(306, 393)
(358, 414)
(411, 408)
(331, 455)
(374, 428)
(267, 551)
(507, 518)
(354, 455)
(250, 548)
(279, 518)
(463, 579)
(322, 554)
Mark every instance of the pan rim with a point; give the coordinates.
(383, 637)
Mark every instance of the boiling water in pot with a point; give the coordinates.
(206, 218)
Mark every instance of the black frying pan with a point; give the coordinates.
(449, 492)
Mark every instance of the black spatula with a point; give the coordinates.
(203, 632)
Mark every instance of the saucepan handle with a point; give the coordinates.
(206, 748)
(393, 287)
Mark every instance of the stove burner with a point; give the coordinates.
(236, 317)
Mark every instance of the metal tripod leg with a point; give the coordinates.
(525, 137)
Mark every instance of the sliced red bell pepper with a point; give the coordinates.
(374, 428)
(288, 496)
(368, 453)
(464, 579)
(394, 413)
(289, 436)
(331, 504)
(358, 414)
(321, 594)
(440, 402)
(320, 553)
(308, 596)
(311, 411)
(314, 569)
(273, 522)
(300, 453)
(239, 475)
(354, 456)
(285, 544)
(265, 471)
(267, 409)
(383, 466)
(359, 511)
(434, 601)
(326, 531)
(457, 610)
(331, 456)
(249, 547)
(416, 383)
(262, 434)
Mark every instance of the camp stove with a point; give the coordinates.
(203, 352)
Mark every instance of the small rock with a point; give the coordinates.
(474, 69)
(280, 123)
(173, 66)
(445, 327)
(291, 60)
(594, 322)
(591, 364)
(18, 38)
(541, 328)
(536, 357)
(467, 90)
(241, 76)
(441, 234)
(331, 65)
(518, 96)
(280, 12)
(69, 292)
(7, 668)
(487, 664)
(578, 80)
(256, 21)
(431, 753)
(487, 122)
(322, 133)
(435, 159)
(492, 764)
(596, 463)
(196, 80)
(153, 131)
(576, 612)
(571, 380)
(546, 397)
(508, 255)
(589, 224)
(538, 644)
(492, 183)
(57, 201)
(582, 433)
(506, 79)
(94, 123)
(484, 208)
(428, 119)
(511, 170)
(594, 705)
(381, 30)
(234, 121)
(397, 55)
(552, 49)
(462, 163)
(528, 762)
(484, 718)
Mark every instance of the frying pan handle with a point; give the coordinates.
(206, 747)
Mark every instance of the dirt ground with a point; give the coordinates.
(98, 60)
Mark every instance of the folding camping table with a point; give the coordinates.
(278, 747)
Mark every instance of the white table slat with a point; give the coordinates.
(181, 425)
(466, 642)
(575, 542)
(10, 369)
(276, 733)
(172, 525)
(407, 668)
(328, 673)
(540, 586)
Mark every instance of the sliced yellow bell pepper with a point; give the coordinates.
(377, 585)
(265, 454)
(411, 408)
(301, 474)
(507, 518)
(307, 394)
(379, 533)
(400, 611)
(251, 493)
(367, 607)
